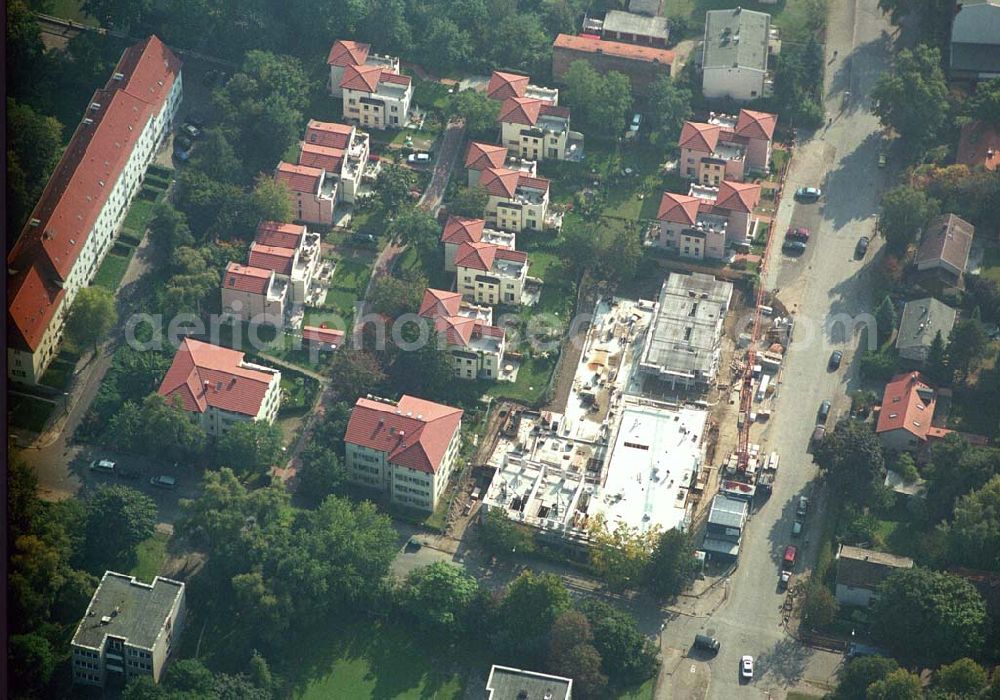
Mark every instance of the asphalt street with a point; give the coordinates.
(822, 284)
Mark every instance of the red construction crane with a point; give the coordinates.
(746, 388)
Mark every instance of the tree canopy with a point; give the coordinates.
(438, 596)
(92, 314)
(852, 461)
(974, 534)
(250, 447)
(913, 98)
(905, 211)
(133, 514)
(599, 102)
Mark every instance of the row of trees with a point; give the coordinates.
(881, 678)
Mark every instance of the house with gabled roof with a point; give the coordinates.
(343, 152)
(975, 40)
(904, 419)
(219, 387)
(516, 201)
(727, 147)
(480, 156)
(708, 220)
(84, 204)
(538, 130)
(253, 294)
(376, 97)
(406, 449)
(459, 229)
(860, 571)
(503, 86)
(474, 344)
(491, 274)
(312, 191)
(943, 256)
(346, 53)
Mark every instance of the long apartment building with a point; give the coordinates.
(482, 156)
(475, 345)
(516, 201)
(459, 229)
(346, 53)
(538, 130)
(707, 221)
(84, 204)
(278, 276)
(407, 449)
(491, 274)
(376, 97)
(219, 388)
(130, 630)
(727, 147)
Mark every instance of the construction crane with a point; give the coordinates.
(746, 387)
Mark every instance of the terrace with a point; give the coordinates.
(729, 150)
(529, 195)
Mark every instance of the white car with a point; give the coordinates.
(418, 158)
(102, 465)
(746, 667)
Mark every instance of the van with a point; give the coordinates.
(102, 465)
(164, 481)
(703, 641)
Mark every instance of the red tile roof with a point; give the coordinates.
(437, 302)
(456, 329)
(390, 77)
(413, 433)
(242, 278)
(485, 155)
(459, 229)
(322, 334)
(504, 253)
(313, 156)
(699, 136)
(678, 208)
(275, 233)
(271, 257)
(204, 375)
(738, 196)
(299, 178)
(756, 125)
(536, 183)
(505, 85)
(979, 145)
(520, 110)
(329, 134)
(480, 256)
(81, 183)
(347, 53)
(363, 78)
(618, 49)
(484, 329)
(947, 238)
(907, 404)
(500, 182)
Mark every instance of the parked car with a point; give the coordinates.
(703, 641)
(798, 234)
(791, 246)
(182, 147)
(164, 482)
(861, 249)
(824, 412)
(418, 158)
(102, 465)
(835, 358)
(636, 121)
(195, 119)
(360, 238)
(819, 432)
(191, 131)
(808, 194)
(797, 528)
(746, 667)
(881, 160)
(788, 560)
(803, 507)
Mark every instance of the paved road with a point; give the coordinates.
(825, 281)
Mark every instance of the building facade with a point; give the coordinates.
(707, 221)
(860, 571)
(491, 274)
(131, 629)
(313, 192)
(516, 202)
(727, 147)
(346, 53)
(643, 65)
(735, 54)
(459, 229)
(503, 86)
(475, 345)
(406, 449)
(219, 388)
(537, 130)
(375, 97)
(342, 151)
(85, 202)
(904, 420)
(253, 294)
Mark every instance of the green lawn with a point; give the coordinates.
(111, 271)
(797, 19)
(29, 413)
(58, 373)
(643, 692)
(139, 214)
(532, 379)
(150, 556)
(347, 287)
(369, 661)
(431, 267)
(795, 695)
(991, 264)
(70, 9)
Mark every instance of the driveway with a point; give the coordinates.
(823, 282)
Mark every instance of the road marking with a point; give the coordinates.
(693, 670)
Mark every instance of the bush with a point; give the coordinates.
(160, 171)
(878, 366)
(129, 237)
(149, 193)
(121, 249)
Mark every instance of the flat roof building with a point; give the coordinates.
(921, 321)
(635, 28)
(506, 683)
(734, 58)
(683, 341)
(130, 629)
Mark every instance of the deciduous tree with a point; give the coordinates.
(395, 296)
(532, 604)
(479, 112)
(91, 316)
(250, 447)
(905, 211)
(167, 430)
(31, 661)
(962, 679)
(967, 346)
(857, 674)
(852, 461)
(620, 555)
(672, 566)
(469, 201)
(974, 534)
(34, 144)
(392, 188)
(133, 514)
(913, 98)
(898, 685)
(355, 373)
(628, 657)
(320, 473)
(438, 596)
(670, 107)
(502, 536)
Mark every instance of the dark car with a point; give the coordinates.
(703, 641)
(835, 359)
(182, 148)
(808, 194)
(861, 249)
(824, 412)
(798, 234)
(794, 246)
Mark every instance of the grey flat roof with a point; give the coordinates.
(683, 336)
(645, 7)
(726, 547)
(727, 511)
(975, 58)
(922, 320)
(736, 37)
(641, 25)
(507, 683)
(142, 609)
